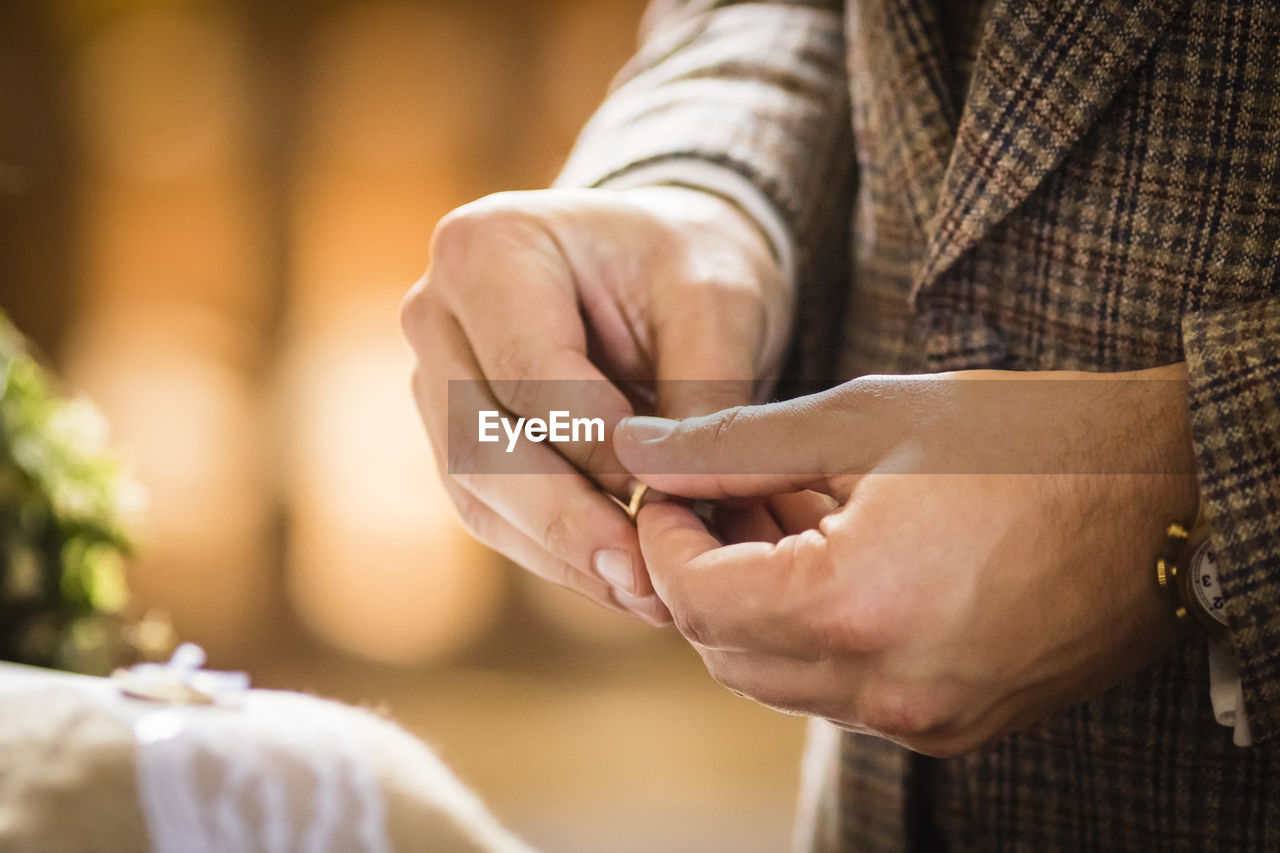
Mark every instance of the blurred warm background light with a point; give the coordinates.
(168, 333)
(209, 211)
(376, 564)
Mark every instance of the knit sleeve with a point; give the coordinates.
(758, 93)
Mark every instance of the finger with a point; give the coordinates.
(742, 452)
(518, 307)
(751, 596)
(558, 509)
(650, 608)
(706, 350)
(496, 533)
(786, 683)
(751, 522)
(799, 511)
(570, 518)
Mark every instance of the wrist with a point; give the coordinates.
(1173, 494)
(708, 212)
(1179, 489)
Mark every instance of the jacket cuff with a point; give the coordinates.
(1233, 362)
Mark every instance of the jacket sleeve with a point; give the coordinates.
(1233, 357)
(756, 92)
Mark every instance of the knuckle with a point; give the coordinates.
(511, 378)
(724, 421)
(694, 627)
(885, 712)
(558, 535)
(473, 515)
(598, 459)
(462, 234)
(463, 479)
(457, 231)
(905, 714)
(415, 308)
(464, 460)
(852, 632)
(724, 675)
(741, 681)
(863, 622)
(511, 365)
(808, 551)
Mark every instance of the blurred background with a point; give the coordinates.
(209, 210)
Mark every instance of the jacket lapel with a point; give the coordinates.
(1045, 71)
(902, 97)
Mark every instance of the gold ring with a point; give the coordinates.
(637, 500)
(632, 507)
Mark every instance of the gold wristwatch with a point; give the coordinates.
(1188, 572)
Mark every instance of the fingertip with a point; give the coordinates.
(661, 517)
(671, 535)
(644, 429)
(648, 607)
(635, 438)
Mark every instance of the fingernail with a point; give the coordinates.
(648, 607)
(644, 429)
(614, 566)
(629, 601)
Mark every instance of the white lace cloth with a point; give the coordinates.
(258, 771)
(278, 772)
(254, 771)
(250, 771)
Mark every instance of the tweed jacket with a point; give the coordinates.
(1023, 185)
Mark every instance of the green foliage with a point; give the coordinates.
(62, 536)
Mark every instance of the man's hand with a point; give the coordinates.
(635, 286)
(980, 553)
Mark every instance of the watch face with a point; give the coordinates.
(1203, 580)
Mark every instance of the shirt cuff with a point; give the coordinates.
(724, 182)
(1227, 695)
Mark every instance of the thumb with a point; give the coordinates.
(745, 451)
